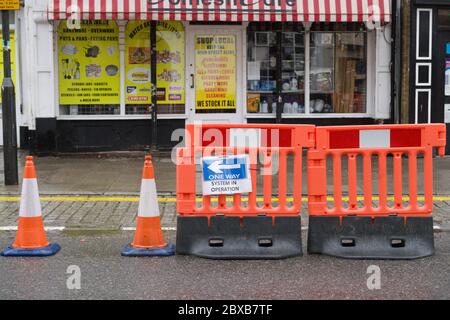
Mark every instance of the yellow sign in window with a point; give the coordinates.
(89, 61)
(9, 5)
(215, 68)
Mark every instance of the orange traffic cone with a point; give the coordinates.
(30, 237)
(149, 239)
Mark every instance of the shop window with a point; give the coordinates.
(89, 68)
(170, 67)
(338, 78)
(270, 58)
(89, 72)
(138, 89)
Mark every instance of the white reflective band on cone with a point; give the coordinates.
(30, 205)
(148, 202)
(375, 138)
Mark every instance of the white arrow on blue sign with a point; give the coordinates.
(226, 174)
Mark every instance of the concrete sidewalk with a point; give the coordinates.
(111, 173)
(120, 173)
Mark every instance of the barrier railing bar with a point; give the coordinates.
(222, 201)
(337, 183)
(237, 201)
(412, 172)
(382, 181)
(297, 180)
(367, 181)
(428, 175)
(362, 151)
(267, 171)
(398, 180)
(282, 179)
(253, 167)
(352, 192)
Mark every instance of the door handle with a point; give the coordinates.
(192, 81)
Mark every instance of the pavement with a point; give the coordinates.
(89, 207)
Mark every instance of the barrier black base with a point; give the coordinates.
(227, 238)
(359, 238)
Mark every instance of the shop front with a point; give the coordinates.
(430, 63)
(280, 61)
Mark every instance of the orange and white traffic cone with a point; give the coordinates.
(30, 237)
(149, 239)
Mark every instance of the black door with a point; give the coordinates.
(442, 83)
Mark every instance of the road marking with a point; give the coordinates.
(198, 199)
(14, 228)
(162, 228)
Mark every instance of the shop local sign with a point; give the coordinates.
(226, 174)
(9, 5)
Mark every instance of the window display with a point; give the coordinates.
(269, 61)
(89, 65)
(170, 66)
(337, 72)
(293, 72)
(337, 68)
(89, 68)
(137, 67)
(264, 58)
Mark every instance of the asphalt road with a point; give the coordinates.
(107, 275)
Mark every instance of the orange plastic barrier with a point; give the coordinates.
(236, 219)
(404, 140)
(347, 233)
(292, 139)
(373, 226)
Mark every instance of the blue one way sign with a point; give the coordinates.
(226, 174)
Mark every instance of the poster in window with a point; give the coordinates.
(88, 60)
(13, 60)
(170, 62)
(215, 72)
(137, 63)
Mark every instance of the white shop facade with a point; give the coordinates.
(98, 82)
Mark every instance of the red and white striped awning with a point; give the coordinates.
(223, 10)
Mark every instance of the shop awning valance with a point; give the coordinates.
(223, 10)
